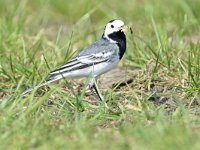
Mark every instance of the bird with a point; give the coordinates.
(94, 60)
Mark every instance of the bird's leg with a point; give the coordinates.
(93, 91)
(96, 92)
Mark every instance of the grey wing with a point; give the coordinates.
(93, 54)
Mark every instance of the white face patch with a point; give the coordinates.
(112, 27)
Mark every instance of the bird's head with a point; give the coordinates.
(114, 27)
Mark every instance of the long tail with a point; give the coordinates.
(50, 79)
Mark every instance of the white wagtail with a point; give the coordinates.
(96, 59)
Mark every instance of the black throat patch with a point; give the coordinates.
(120, 38)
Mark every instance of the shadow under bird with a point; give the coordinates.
(94, 60)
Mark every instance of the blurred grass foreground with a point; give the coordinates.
(156, 105)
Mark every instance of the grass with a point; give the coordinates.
(158, 109)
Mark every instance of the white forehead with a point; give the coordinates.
(117, 23)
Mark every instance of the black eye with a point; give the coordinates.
(112, 26)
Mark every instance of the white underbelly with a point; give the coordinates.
(94, 70)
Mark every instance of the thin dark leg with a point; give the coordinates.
(96, 92)
(93, 91)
